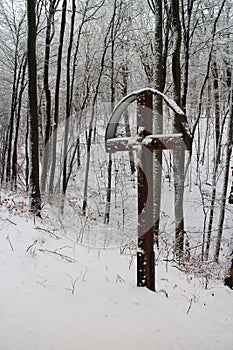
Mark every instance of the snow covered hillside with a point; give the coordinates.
(57, 294)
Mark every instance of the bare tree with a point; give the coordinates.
(13, 23)
(106, 44)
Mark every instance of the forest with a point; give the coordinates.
(64, 67)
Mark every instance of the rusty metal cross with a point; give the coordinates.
(145, 143)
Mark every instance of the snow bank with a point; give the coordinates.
(56, 294)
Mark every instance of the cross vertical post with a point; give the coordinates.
(145, 253)
(145, 143)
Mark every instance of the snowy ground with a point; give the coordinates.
(56, 294)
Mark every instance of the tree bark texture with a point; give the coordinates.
(33, 114)
(178, 156)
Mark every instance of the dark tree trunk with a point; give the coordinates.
(188, 33)
(68, 102)
(12, 117)
(48, 39)
(158, 118)
(15, 147)
(178, 156)
(57, 96)
(216, 105)
(229, 279)
(33, 115)
(113, 95)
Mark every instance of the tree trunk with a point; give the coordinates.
(112, 87)
(188, 33)
(125, 76)
(47, 138)
(229, 279)
(15, 147)
(226, 172)
(225, 186)
(57, 97)
(158, 117)
(178, 156)
(216, 105)
(33, 116)
(214, 190)
(68, 102)
(89, 134)
(12, 115)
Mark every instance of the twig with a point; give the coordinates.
(12, 222)
(178, 268)
(42, 283)
(65, 246)
(131, 261)
(62, 256)
(84, 274)
(9, 241)
(30, 246)
(5, 220)
(51, 233)
(190, 305)
(164, 292)
(73, 283)
(119, 279)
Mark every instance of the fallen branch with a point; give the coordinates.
(50, 232)
(32, 245)
(9, 241)
(64, 247)
(178, 268)
(12, 222)
(42, 283)
(164, 292)
(62, 256)
(119, 279)
(190, 305)
(73, 283)
(5, 220)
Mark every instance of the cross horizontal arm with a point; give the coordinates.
(163, 142)
(152, 142)
(122, 144)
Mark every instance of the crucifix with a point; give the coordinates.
(145, 143)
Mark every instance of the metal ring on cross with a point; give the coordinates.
(127, 100)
